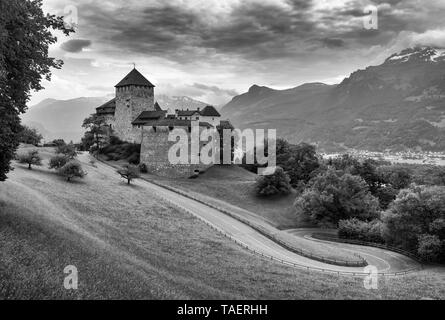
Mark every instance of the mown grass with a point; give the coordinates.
(128, 244)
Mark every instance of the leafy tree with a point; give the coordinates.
(129, 173)
(298, 161)
(31, 158)
(68, 150)
(73, 169)
(333, 196)
(417, 211)
(58, 161)
(24, 41)
(275, 184)
(30, 136)
(97, 130)
(399, 177)
(59, 142)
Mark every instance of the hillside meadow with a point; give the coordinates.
(128, 244)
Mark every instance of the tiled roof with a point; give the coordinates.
(107, 108)
(174, 123)
(134, 78)
(146, 116)
(187, 113)
(157, 107)
(210, 111)
(225, 124)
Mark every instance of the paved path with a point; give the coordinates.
(385, 261)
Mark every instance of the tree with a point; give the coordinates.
(73, 169)
(24, 41)
(129, 172)
(97, 129)
(398, 176)
(30, 136)
(68, 150)
(58, 161)
(333, 196)
(298, 161)
(275, 184)
(417, 211)
(31, 158)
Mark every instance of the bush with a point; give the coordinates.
(73, 169)
(134, 158)
(275, 184)
(58, 161)
(129, 173)
(31, 158)
(122, 151)
(361, 230)
(143, 168)
(430, 248)
(333, 196)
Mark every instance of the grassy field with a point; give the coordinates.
(128, 244)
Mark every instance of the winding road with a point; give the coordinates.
(387, 262)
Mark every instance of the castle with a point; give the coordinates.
(134, 116)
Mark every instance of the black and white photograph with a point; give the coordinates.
(222, 154)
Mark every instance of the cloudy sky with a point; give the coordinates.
(213, 49)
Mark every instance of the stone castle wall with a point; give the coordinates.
(131, 101)
(154, 154)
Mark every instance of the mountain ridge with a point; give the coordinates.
(397, 105)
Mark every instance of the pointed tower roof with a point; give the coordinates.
(157, 107)
(134, 78)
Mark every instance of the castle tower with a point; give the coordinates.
(134, 94)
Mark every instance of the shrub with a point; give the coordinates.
(143, 168)
(122, 151)
(134, 158)
(361, 230)
(129, 172)
(31, 158)
(430, 248)
(73, 169)
(58, 161)
(274, 184)
(333, 196)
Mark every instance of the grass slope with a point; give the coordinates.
(128, 244)
(236, 186)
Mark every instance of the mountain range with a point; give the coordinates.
(398, 106)
(62, 119)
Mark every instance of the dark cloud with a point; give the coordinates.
(75, 45)
(253, 31)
